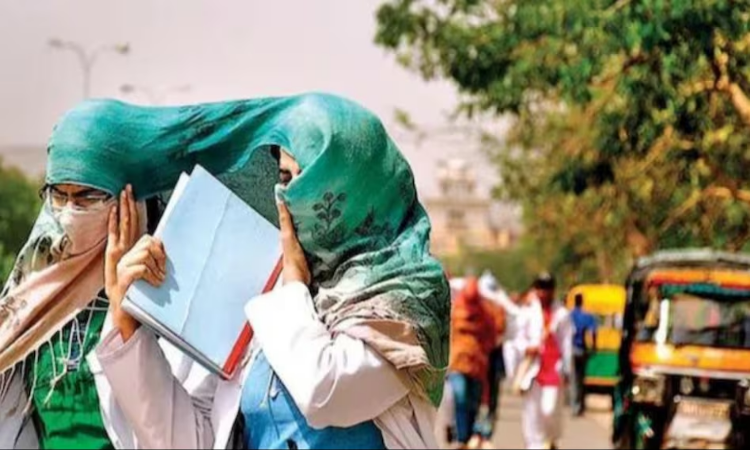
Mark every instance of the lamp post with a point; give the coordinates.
(87, 58)
(154, 96)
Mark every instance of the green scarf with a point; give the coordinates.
(355, 205)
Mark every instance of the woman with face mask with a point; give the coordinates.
(350, 352)
(52, 311)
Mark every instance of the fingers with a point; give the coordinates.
(159, 259)
(128, 222)
(112, 255)
(149, 251)
(140, 272)
(155, 249)
(289, 242)
(113, 238)
(124, 218)
(288, 235)
(286, 225)
(153, 279)
(143, 263)
(133, 211)
(146, 258)
(132, 273)
(112, 232)
(295, 264)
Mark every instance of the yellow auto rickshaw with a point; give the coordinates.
(606, 302)
(685, 353)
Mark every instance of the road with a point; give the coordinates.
(590, 432)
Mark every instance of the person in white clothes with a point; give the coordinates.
(349, 353)
(324, 370)
(544, 382)
(542, 354)
(523, 324)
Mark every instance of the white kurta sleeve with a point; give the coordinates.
(534, 325)
(334, 380)
(501, 298)
(160, 411)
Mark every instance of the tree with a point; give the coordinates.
(19, 207)
(510, 265)
(631, 117)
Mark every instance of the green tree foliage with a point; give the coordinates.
(630, 117)
(19, 207)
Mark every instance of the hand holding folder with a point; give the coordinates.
(220, 254)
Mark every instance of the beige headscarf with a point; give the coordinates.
(57, 274)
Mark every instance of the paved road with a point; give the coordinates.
(590, 432)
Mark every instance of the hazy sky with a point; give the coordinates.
(223, 49)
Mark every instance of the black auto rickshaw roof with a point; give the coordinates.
(690, 258)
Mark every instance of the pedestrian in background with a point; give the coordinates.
(485, 425)
(544, 381)
(523, 328)
(585, 328)
(473, 335)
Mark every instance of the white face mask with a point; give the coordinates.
(84, 229)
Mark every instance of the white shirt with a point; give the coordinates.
(335, 380)
(524, 323)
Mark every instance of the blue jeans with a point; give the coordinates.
(496, 374)
(467, 394)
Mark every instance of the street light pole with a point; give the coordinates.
(87, 58)
(154, 96)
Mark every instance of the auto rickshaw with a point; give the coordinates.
(606, 302)
(685, 353)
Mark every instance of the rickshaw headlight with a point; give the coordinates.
(649, 389)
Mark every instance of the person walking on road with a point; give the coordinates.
(549, 370)
(485, 425)
(585, 326)
(473, 335)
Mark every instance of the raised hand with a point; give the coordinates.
(295, 264)
(129, 259)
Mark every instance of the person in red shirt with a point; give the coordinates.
(542, 416)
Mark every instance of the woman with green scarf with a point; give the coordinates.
(352, 355)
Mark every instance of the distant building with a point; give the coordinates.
(30, 159)
(462, 218)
